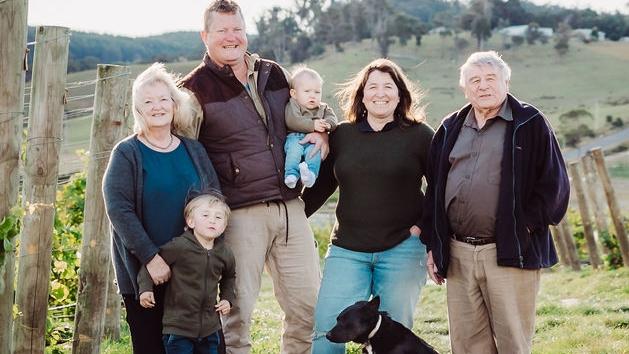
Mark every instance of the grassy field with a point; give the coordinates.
(590, 76)
(585, 312)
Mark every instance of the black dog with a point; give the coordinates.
(364, 324)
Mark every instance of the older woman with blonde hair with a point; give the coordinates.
(145, 186)
(377, 160)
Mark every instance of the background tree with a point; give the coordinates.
(308, 13)
(357, 13)
(615, 25)
(517, 41)
(449, 25)
(532, 33)
(379, 14)
(404, 26)
(511, 11)
(478, 21)
(562, 38)
(595, 33)
(333, 27)
(503, 23)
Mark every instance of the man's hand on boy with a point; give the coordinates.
(321, 126)
(320, 141)
(223, 307)
(147, 299)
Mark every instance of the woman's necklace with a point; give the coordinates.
(157, 146)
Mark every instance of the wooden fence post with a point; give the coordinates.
(561, 246)
(589, 172)
(571, 247)
(13, 26)
(112, 311)
(584, 209)
(108, 127)
(40, 186)
(614, 209)
(112, 317)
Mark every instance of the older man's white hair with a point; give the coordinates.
(484, 58)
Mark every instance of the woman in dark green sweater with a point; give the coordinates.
(377, 160)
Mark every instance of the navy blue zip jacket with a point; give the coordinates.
(534, 190)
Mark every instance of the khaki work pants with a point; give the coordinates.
(257, 236)
(491, 309)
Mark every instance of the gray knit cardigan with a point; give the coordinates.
(122, 192)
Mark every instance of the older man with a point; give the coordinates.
(241, 100)
(497, 181)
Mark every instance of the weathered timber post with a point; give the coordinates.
(589, 172)
(561, 245)
(112, 310)
(12, 72)
(614, 209)
(571, 247)
(40, 185)
(108, 127)
(584, 209)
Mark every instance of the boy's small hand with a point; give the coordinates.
(321, 126)
(147, 299)
(223, 307)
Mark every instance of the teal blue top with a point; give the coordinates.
(168, 177)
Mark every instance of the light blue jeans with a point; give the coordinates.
(296, 153)
(397, 275)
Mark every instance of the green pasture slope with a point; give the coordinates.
(591, 76)
(585, 313)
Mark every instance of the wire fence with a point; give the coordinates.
(79, 105)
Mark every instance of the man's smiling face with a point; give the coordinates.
(226, 40)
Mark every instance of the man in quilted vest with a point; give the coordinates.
(240, 102)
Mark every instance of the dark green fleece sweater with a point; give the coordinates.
(379, 176)
(197, 275)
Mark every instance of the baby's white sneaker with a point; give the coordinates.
(290, 181)
(308, 177)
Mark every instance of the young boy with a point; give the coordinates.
(200, 265)
(305, 113)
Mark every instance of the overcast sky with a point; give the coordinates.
(148, 17)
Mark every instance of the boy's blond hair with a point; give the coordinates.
(205, 199)
(303, 70)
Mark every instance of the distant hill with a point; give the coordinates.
(89, 49)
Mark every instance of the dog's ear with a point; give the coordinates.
(375, 303)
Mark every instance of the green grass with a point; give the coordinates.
(587, 77)
(584, 312)
(619, 170)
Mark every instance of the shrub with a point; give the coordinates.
(68, 228)
(322, 237)
(609, 241)
(618, 123)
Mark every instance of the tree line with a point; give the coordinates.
(89, 49)
(303, 30)
(299, 32)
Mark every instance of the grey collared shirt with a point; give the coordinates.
(474, 178)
